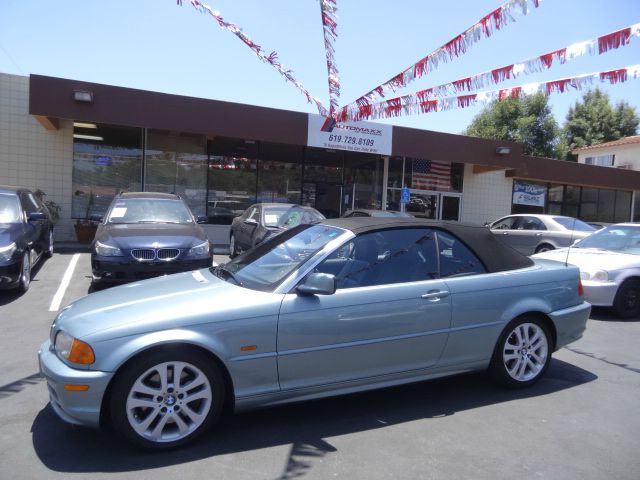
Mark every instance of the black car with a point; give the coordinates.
(147, 234)
(26, 235)
(263, 220)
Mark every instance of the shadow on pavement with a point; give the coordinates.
(304, 426)
(606, 315)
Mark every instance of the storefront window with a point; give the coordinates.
(107, 160)
(279, 181)
(623, 207)
(232, 187)
(589, 205)
(606, 205)
(636, 207)
(177, 164)
(363, 176)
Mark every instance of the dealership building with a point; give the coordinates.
(82, 143)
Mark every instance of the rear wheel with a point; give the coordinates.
(522, 354)
(25, 272)
(545, 247)
(627, 301)
(167, 398)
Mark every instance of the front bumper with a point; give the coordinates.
(600, 294)
(117, 269)
(10, 275)
(79, 408)
(570, 323)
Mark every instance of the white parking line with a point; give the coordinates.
(57, 298)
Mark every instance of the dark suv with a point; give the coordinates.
(26, 235)
(147, 234)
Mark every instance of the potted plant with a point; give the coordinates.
(85, 227)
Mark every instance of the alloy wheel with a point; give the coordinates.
(525, 352)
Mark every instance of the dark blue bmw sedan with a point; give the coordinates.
(26, 235)
(147, 234)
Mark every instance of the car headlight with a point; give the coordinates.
(200, 250)
(107, 250)
(597, 276)
(73, 350)
(7, 252)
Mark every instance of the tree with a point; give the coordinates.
(595, 121)
(526, 120)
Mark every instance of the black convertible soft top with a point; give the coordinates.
(494, 254)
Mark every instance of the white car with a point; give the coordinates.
(609, 263)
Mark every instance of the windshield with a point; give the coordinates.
(287, 217)
(616, 238)
(9, 209)
(574, 224)
(266, 266)
(149, 210)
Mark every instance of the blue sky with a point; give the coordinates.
(157, 45)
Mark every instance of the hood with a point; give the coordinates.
(592, 259)
(9, 232)
(162, 303)
(151, 235)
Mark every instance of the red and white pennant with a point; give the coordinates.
(328, 10)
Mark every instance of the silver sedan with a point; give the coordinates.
(319, 310)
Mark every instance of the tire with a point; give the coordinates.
(545, 247)
(626, 303)
(48, 253)
(152, 412)
(25, 273)
(522, 354)
(233, 249)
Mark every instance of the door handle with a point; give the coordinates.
(435, 295)
(505, 233)
(538, 234)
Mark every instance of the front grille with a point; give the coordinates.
(143, 254)
(148, 254)
(168, 254)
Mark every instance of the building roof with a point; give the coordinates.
(623, 141)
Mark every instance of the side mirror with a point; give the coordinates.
(202, 219)
(318, 284)
(96, 217)
(251, 221)
(35, 216)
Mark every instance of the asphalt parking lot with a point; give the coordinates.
(579, 422)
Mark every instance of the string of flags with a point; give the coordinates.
(417, 104)
(373, 105)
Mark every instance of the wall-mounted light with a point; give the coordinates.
(83, 96)
(503, 150)
(84, 125)
(88, 137)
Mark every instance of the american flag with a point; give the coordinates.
(429, 174)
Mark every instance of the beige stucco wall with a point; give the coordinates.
(32, 156)
(487, 196)
(624, 154)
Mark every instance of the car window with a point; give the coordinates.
(575, 224)
(9, 209)
(255, 214)
(384, 257)
(29, 203)
(149, 210)
(530, 223)
(455, 258)
(504, 224)
(616, 238)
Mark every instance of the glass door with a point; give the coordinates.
(450, 206)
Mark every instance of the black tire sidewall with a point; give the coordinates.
(497, 368)
(619, 310)
(132, 371)
(23, 286)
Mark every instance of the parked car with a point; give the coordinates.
(26, 236)
(365, 212)
(609, 262)
(337, 307)
(146, 234)
(263, 220)
(530, 233)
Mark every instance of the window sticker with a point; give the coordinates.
(270, 218)
(118, 212)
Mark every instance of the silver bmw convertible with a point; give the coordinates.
(331, 308)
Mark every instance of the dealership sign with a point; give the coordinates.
(529, 194)
(364, 137)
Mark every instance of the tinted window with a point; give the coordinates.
(384, 257)
(455, 257)
(9, 209)
(574, 224)
(504, 224)
(530, 223)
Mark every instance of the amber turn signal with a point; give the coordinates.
(75, 388)
(81, 353)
